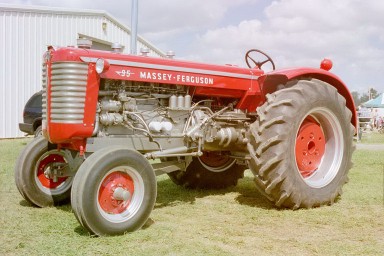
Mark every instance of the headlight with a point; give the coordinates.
(101, 66)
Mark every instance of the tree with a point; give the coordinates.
(356, 98)
(364, 98)
(360, 99)
(373, 93)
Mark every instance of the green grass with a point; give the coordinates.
(372, 138)
(236, 221)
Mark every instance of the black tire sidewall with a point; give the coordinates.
(318, 194)
(273, 144)
(94, 169)
(25, 175)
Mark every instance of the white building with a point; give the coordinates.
(25, 33)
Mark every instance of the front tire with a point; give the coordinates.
(301, 146)
(31, 178)
(114, 191)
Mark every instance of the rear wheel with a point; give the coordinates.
(213, 170)
(38, 132)
(33, 175)
(114, 191)
(301, 145)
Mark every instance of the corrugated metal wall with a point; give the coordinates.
(25, 34)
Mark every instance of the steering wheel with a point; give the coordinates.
(258, 64)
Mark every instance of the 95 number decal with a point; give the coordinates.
(125, 73)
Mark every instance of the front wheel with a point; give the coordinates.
(301, 145)
(114, 191)
(33, 175)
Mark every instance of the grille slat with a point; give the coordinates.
(44, 95)
(67, 105)
(65, 93)
(77, 83)
(70, 76)
(71, 66)
(68, 92)
(66, 111)
(69, 72)
(69, 118)
(68, 99)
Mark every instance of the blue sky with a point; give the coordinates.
(293, 32)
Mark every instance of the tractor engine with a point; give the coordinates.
(127, 108)
(166, 111)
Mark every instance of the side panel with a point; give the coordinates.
(206, 84)
(227, 82)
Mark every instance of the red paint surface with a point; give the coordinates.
(106, 200)
(310, 147)
(45, 181)
(223, 81)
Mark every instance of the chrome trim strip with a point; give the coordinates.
(171, 68)
(44, 95)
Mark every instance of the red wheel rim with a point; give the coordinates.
(45, 163)
(310, 147)
(214, 159)
(107, 199)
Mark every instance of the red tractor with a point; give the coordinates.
(107, 116)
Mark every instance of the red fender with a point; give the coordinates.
(270, 81)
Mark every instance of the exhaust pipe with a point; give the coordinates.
(134, 21)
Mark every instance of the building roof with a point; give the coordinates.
(83, 12)
(377, 102)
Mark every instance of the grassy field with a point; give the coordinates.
(236, 221)
(372, 138)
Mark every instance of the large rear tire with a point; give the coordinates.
(114, 191)
(213, 170)
(31, 176)
(301, 145)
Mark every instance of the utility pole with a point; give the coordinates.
(134, 22)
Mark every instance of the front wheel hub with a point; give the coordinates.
(121, 194)
(310, 147)
(116, 192)
(45, 174)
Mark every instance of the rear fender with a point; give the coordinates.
(270, 82)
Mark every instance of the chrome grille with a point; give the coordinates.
(44, 95)
(68, 92)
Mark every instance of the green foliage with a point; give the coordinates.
(356, 98)
(359, 99)
(235, 221)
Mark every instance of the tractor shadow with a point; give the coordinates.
(63, 206)
(25, 203)
(170, 194)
